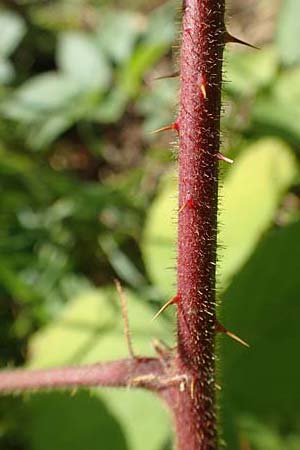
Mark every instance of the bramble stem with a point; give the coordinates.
(186, 378)
(199, 124)
(138, 372)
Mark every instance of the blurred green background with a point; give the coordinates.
(88, 194)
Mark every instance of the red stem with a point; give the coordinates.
(199, 125)
(138, 372)
(186, 381)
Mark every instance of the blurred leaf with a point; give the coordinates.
(159, 241)
(6, 71)
(76, 422)
(247, 72)
(64, 15)
(144, 57)
(112, 107)
(287, 87)
(12, 31)
(124, 268)
(49, 92)
(49, 103)
(261, 436)
(129, 26)
(272, 116)
(252, 192)
(157, 105)
(288, 33)
(80, 59)
(162, 25)
(262, 305)
(278, 112)
(91, 330)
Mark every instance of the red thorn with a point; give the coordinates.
(166, 305)
(231, 39)
(172, 126)
(221, 329)
(170, 75)
(188, 204)
(224, 158)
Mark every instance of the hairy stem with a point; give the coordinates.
(186, 378)
(139, 372)
(199, 130)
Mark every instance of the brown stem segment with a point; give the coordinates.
(199, 131)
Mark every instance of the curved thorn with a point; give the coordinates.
(224, 158)
(172, 126)
(228, 333)
(203, 90)
(166, 305)
(170, 75)
(188, 204)
(232, 39)
(202, 84)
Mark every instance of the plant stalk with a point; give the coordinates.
(199, 133)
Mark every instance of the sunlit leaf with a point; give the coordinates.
(288, 34)
(90, 330)
(12, 29)
(249, 199)
(80, 59)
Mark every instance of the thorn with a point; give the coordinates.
(231, 39)
(125, 317)
(203, 90)
(222, 329)
(202, 84)
(170, 75)
(188, 204)
(172, 126)
(166, 305)
(193, 382)
(218, 387)
(160, 348)
(224, 158)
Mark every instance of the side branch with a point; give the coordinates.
(138, 372)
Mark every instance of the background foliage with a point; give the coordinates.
(88, 194)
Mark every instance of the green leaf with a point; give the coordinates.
(159, 240)
(288, 33)
(49, 103)
(6, 71)
(129, 25)
(63, 422)
(262, 305)
(49, 92)
(93, 322)
(278, 111)
(91, 330)
(243, 73)
(12, 31)
(251, 194)
(262, 436)
(81, 60)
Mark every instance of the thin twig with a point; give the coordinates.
(125, 317)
